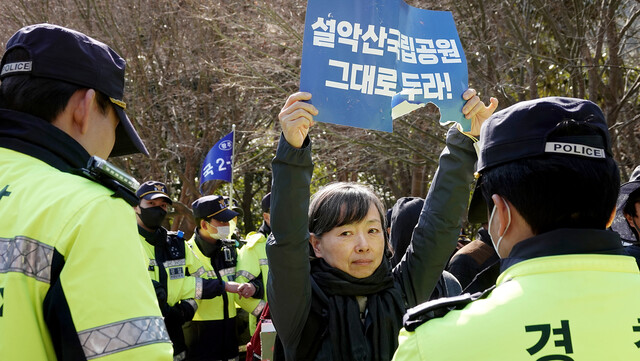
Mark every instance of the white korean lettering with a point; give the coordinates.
(344, 77)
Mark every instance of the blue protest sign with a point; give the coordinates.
(368, 62)
(218, 163)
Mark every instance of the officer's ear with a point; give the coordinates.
(204, 225)
(82, 110)
(74, 119)
(503, 216)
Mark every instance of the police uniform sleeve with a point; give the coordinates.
(104, 285)
(248, 270)
(187, 289)
(248, 267)
(205, 288)
(251, 305)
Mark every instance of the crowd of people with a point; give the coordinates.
(340, 276)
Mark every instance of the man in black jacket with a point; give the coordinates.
(477, 265)
(627, 220)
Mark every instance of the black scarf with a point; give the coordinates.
(377, 339)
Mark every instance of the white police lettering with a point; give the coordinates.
(575, 149)
(23, 66)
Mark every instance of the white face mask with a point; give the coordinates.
(233, 224)
(496, 245)
(223, 232)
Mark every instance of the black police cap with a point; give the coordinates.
(521, 130)
(266, 203)
(213, 206)
(63, 54)
(152, 190)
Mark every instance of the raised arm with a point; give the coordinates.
(288, 285)
(435, 235)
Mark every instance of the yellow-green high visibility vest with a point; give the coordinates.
(581, 307)
(70, 275)
(179, 285)
(211, 309)
(252, 262)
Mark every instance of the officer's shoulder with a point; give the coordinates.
(77, 189)
(253, 238)
(438, 308)
(74, 188)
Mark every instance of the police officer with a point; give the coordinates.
(254, 268)
(627, 220)
(72, 284)
(564, 276)
(212, 333)
(168, 263)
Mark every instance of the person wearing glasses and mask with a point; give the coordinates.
(212, 333)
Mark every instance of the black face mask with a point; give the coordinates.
(152, 217)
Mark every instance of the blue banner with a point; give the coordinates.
(368, 62)
(217, 164)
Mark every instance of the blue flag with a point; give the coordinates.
(218, 164)
(369, 62)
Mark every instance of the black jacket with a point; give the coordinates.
(472, 264)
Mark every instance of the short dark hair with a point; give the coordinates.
(630, 206)
(555, 191)
(340, 203)
(630, 209)
(41, 97)
(208, 220)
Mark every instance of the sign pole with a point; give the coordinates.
(233, 159)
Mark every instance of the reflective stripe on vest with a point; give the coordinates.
(227, 271)
(264, 262)
(174, 263)
(200, 272)
(246, 274)
(258, 310)
(212, 274)
(199, 286)
(27, 256)
(123, 335)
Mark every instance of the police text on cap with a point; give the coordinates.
(574, 149)
(23, 66)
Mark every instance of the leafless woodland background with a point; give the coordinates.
(195, 67)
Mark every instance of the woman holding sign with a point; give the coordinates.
(347, 303)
